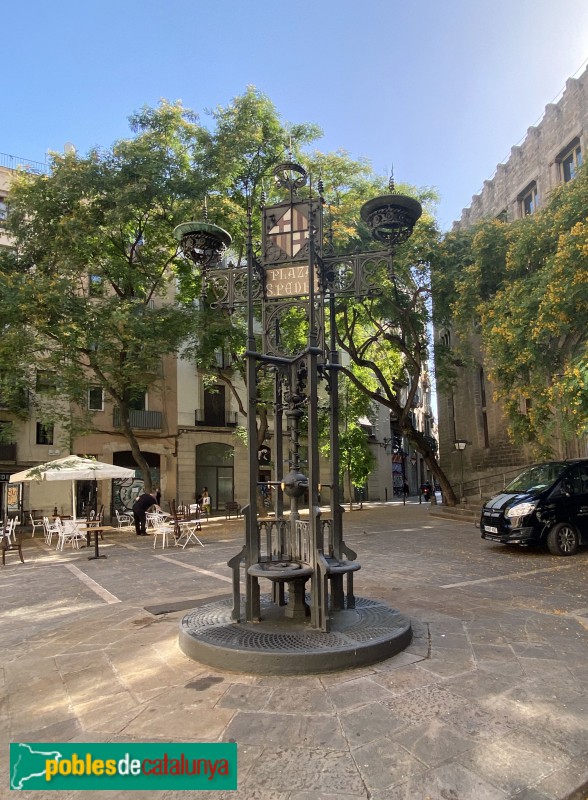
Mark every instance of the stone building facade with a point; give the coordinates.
(549, 155)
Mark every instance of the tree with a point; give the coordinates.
(356, 459)
(97, 278)
(524, 287)
(88, 282)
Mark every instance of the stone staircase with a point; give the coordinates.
(463, 513)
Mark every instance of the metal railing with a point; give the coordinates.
(228, 419)
(486, 486)
(146, 420)
(25, 164)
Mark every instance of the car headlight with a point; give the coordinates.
(521, 510)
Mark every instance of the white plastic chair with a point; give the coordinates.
(123, 520)
(9, 530)
(36, 523)
(69, 534)
(51, 528)
(155, 519)
(165, 532)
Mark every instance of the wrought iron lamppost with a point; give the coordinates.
(294, 284)
(460, 445)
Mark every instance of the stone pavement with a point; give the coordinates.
(490, 701)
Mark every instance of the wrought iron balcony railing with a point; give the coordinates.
(226, 419)
(145, 420)
(15, 162)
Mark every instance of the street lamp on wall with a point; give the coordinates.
(460, 445)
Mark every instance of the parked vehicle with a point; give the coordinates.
(545, 504)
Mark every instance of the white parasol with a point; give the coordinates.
(72, 468)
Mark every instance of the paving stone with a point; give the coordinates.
(324, 796)
(312, 770)
(370, 722)
(245, 698)
(496, 667)
(383, 763)
(355, 693)
(448, 782)
(425, 704)
(514, 762)
(198, 722)
(433, 742)
(293, 729)
(405, 680)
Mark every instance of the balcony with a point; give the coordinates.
(25, 164)
(143, 420)
(226, 419)
(8, 453)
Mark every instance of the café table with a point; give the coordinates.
(96, 528)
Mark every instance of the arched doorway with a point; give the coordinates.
(214, 469)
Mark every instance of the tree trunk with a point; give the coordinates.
(420, 444)
(350, 490)
(135, 449)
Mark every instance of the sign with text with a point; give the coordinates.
(115, 766)
(291, 281)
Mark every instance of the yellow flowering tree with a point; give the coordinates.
(524, 285)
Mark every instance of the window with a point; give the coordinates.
(214, 406)
(45, 381)
(95, 285)
(569, 161)
(44, 433)
(95, 398)
(3, 209)
(138, 402)
(529, 200)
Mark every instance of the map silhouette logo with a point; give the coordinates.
(28, 763)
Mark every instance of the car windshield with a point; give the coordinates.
(537, 478)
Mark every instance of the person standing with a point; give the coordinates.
(205, 502)
(140, 507)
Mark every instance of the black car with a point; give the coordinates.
(545, 504)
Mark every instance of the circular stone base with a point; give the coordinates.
(368, 633)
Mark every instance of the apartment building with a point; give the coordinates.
(548, 156)
(29, 441)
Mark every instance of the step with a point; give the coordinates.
(467, 514)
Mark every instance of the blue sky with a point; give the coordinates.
(440, 89)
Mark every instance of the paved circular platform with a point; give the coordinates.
(370, 632)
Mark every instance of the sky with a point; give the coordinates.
(440, 89)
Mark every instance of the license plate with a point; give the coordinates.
(490, 529)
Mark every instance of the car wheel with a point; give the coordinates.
(562, 540)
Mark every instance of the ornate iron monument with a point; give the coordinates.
(293, 285)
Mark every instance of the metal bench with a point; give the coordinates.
(285, 557)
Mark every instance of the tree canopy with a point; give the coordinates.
(95, 292)
(523, 288)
